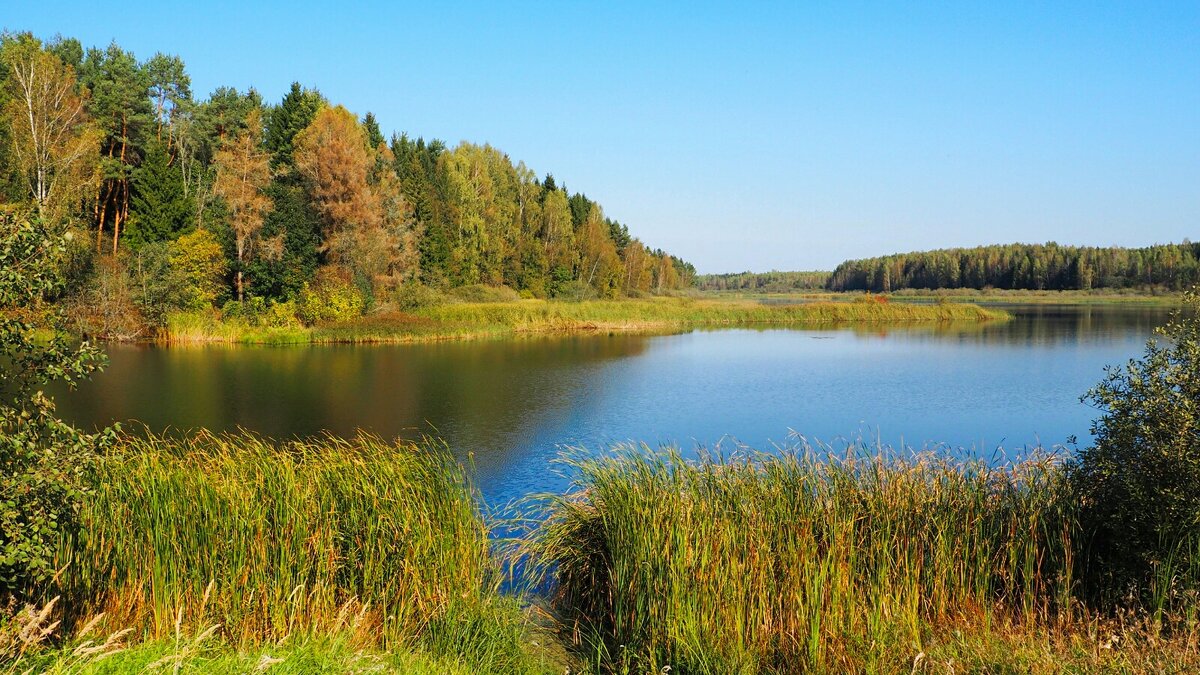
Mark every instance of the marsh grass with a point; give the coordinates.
(488, 320)
(535, 315)
(234, 553)
(802, 560)
(379, 544)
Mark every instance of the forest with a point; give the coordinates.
(763, 282)
(1048, 266)
(299, 208)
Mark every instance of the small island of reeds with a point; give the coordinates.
(476, 320)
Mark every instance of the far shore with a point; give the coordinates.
(972, 296)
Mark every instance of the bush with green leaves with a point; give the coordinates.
(414, 295)
(331, 298)
(156, 285)
(483, 293)
(200, 266)
(575, 291)
(1138, 485)
(44, 462)
(261, 313)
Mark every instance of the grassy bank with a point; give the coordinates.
(235, 554)
(865, 562)
(460, 321)
(238, 544)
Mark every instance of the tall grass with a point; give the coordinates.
(483, 320)
(801, 560)
(663, 313)
(379, 543)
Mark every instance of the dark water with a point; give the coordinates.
(512, 403)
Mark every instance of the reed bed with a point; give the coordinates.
(489, 320)
(380, 542)
(803, 560)
(660, 313)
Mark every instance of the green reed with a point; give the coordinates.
(270, 540)
(489, 320)
(659, 313)
(803, 559)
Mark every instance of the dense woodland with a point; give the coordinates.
(1025, 266)
(763, 282)
(180, 203)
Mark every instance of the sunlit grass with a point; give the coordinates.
(802, 560)
(484, 320)
(379, 544)
(221, 553)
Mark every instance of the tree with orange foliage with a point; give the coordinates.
(243, 172)
(369, 224)
(332, 154)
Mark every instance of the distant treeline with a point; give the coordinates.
(763, 282)
(1025, 266)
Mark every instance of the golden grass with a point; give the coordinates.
(466, 321)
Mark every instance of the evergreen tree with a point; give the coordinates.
(160, 210)
(294, 229)
(373, 133)
(120, 105)
(293, 114)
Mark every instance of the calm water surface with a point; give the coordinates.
(512, 404)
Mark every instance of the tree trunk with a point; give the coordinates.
(116, 229)
(240, 257)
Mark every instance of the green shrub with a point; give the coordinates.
(1139, 484)
(158, 287)
(261, 313)
(330, 298)
(483, 293)
(415, 295)
(43, 462)
(575, 291)
(201, 266)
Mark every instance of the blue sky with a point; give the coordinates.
(761, 136)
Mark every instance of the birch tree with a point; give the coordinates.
(54, 144)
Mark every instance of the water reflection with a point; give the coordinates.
(509, 405)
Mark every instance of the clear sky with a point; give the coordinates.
(751, 136)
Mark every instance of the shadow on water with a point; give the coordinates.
(509, 405)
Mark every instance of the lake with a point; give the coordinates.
(510, 405)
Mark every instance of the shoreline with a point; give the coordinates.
(506, 320)
(970, 296)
